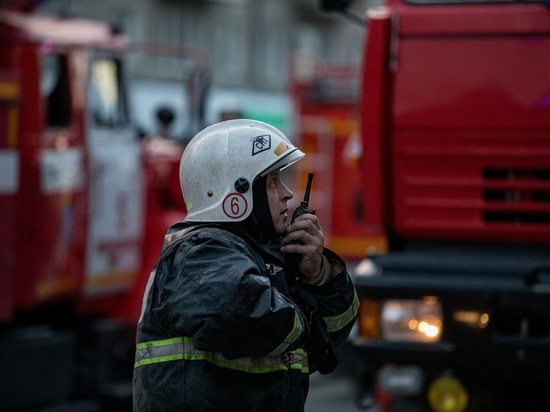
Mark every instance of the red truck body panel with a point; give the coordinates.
(10, 95)
(468, 145)
(375, 118)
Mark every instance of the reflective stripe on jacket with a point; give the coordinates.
(174, 349)
(338, 322)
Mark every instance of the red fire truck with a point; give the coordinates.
(83, 209)
(455, 130)
(327, 125)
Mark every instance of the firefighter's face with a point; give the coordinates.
(277, 196)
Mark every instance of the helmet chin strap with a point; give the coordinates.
(260, 223)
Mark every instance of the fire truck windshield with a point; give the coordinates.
(107, 97)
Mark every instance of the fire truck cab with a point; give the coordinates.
(455, 131)
(74, 162)
(73, 208)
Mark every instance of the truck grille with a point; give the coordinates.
(465, 188)
(519, 192)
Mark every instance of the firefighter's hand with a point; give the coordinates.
(305, 237)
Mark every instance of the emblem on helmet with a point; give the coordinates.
(261, 144)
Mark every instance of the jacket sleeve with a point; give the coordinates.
(216, 292)
(337, 300)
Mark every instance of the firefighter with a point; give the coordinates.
(241, 307)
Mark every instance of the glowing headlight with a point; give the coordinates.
(412, 320)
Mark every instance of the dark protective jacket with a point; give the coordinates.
(220, 331)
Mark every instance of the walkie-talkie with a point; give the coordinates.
(303, 208)
(319, 346)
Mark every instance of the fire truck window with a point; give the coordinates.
(107, 99)
(54, 87)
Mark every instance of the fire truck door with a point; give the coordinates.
(116, 218)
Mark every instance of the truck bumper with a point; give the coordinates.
(510, 349)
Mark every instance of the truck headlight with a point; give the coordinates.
(412, 320)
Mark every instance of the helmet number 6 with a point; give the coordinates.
(235, 205)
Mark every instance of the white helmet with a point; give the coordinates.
(220, 164)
